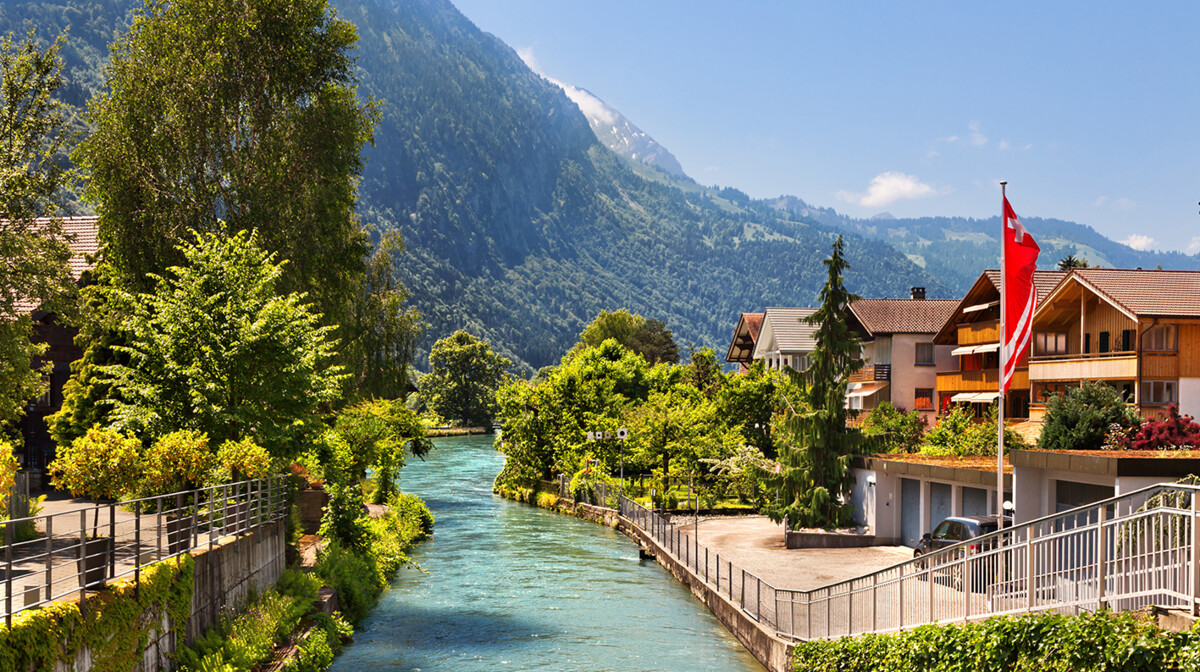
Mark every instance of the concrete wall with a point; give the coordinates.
(880, 508)
(773, 652)
(1189, 396)
(225, 575)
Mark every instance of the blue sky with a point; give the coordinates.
(1089, 110)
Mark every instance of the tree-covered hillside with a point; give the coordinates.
(520, 226)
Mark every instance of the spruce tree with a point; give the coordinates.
(815, 445)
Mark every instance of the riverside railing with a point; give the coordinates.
(54, 556)
(1127, 552)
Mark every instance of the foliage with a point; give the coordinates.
(314, 653)
(899, 432)
(815, 445)
(1071, 261)
(958, 433)
(649, 338)
(1090, 641)
(376, 435)
(32, 181)
(344, 520)
(215, 349)
(679, 427)
(1173, 432)
(177, 461)
(654, 341)
(746, 467)
(241, 460)
(463, 376)
(8, 472)
(747, 401)
(1080, 418)
(113, 624)
(100, 464)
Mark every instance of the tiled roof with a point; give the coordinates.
(753, 323)
(903, 316)
(1045, 281)
(745, 335)
(81, 234)
(790, 333)
(1149, 293)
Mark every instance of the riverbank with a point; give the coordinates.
(433, 432)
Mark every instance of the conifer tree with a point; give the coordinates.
(815, 445)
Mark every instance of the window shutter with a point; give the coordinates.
(1104, 341)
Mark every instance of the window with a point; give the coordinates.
(1159, 339)
(1050, 343)
(1159, 392)
(924, 399)
(924, 354)
(1126, 340)
(1104, 342)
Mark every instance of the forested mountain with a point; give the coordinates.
(520, 225)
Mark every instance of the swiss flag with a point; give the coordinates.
(1020, 296)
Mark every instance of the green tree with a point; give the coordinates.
(655, 342)
(815, 445)
(463, 377)
(1080, 418)
(898, 432)
(747, 401)
(957, 433)
(378, 434)
(1071, 261)
(32, 180)
(619, 325)
(215, 349)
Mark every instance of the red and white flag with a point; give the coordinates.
(1020, 296)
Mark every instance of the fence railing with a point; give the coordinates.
(54, 556)
(1127, 552)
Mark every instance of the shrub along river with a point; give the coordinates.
(511, 586)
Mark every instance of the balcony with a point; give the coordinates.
(984, 380)
(979, 333)
(872, 373)
(1093, 366)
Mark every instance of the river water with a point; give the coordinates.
(512, 587)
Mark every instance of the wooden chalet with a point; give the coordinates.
(745, 336)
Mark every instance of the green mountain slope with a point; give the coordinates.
(520, 225)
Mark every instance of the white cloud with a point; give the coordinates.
(1101, 201)
(526, 54)
(1194, 246)
(591, 106)
(1003, 145)
(1139, 242)
(1027, 147)
(976, 138)
(1121, 203)
(888, 188)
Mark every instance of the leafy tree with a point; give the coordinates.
(463, 377)
(100, 464)
(241, 460)
(655, 342)
(747, 401)
(815, 445)
(704, 373)
(177, 461)
(898, 432)
(957, 433)
(1080, 418)
(377, 435)
(679, 427)
(619, 325)
(32, 181)
(1071, 261)
(216, 350)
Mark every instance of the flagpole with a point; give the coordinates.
(1000, 368)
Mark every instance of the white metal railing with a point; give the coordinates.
(1126, 552)
(82, 548)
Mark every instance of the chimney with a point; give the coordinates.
(918, 293)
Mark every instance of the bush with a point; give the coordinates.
(959, 434)
(1175, 432)
(1052, 642)
(344, 519)
(245, 459)
(896, 431)
(410, 507)
(355, 578)
(1080, 419)
(176, 461)
(99, 464)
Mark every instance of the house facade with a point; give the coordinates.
(785, 340)
(745, 337)
(973, 333)
(1138, 330)
(37, 450)
(901, 358)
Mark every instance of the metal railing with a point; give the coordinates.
(83, 548)
(1126, 552)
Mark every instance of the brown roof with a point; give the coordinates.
(81, 235)
(1146, 293)
(988, 284)
(1044, 281)
(745, 335)
(903, 316)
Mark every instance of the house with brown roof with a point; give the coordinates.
(745, 336)
(902, 360)
(1138, 330)
(785, 339)
(38, 449)
(973, 331)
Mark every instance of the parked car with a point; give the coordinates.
(958, 529)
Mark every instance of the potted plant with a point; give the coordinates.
(101, 464)
(177, 462)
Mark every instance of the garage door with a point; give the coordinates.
(910, 511)
(939, 503)
(974, 501)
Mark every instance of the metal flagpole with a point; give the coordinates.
(1003, 358)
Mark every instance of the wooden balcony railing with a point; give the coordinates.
(979, 333)
(872, 373)
(984, 380)
(1091, 366)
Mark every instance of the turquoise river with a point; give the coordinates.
(508, 586)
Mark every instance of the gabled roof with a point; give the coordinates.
(1141, 293)
(987, 288)
(745, 335)
(783, 328)
(81, 235)
(902, 316)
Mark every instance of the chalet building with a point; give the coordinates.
(901, 359)
(784, 339)
(1136, 330)
(38, 449)
(745, 336)
(973, 331)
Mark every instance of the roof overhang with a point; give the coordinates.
(1063, 286)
